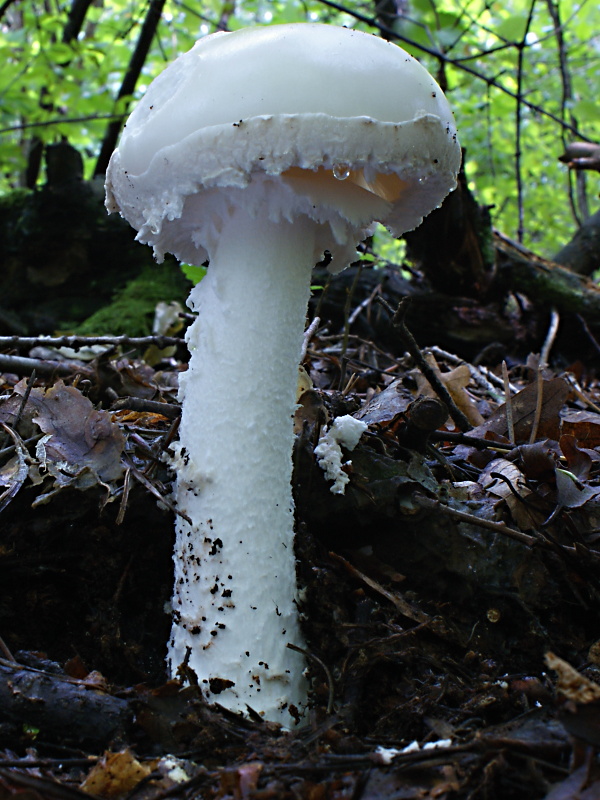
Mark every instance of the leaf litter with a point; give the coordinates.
(429, 619)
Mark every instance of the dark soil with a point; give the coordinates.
(434, 588)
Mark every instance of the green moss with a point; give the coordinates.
(15, 199)
(131, 311)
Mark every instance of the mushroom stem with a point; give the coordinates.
(234, 606)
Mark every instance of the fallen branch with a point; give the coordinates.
(77, 342)
(547, 282)
(60, 705)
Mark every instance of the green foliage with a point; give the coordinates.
(51, 88)
(192, 273)
(132, 309)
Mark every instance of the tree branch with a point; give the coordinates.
(129, 81)
(75, 19)
(388, 33)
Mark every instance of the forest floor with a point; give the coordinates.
(451, 594)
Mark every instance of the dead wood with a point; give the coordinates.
(75, 711)
(545, 282)
(582, 254)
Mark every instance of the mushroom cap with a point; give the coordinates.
(349, 127)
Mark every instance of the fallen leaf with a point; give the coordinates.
(504, 480)
(524, 403)
(583, 425)
(115, 774)
(387, 406)
(78, 437)
(579, 459)
(456, 382)
(572, 493)
(572, 684)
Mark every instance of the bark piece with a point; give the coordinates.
(60, 707)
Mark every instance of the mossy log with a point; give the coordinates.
(546, 283)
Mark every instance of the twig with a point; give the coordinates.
(139, 476)
(485, 379)
(346, 334)
(350, 384)
(41, 786)
(571, 380)
(31, 440)
(550, 337)
(5, 6)
(308, 334)
(518, 122)
(324, 667)
(124, 497)
(364, 304)
(23, 126)
(413, 348)
(168, 410)
(539, 401)
(75, 19)
(497, 527)
(56, 763)
(510, 423)
(77, 342)
(565, 103)
(473, 441)
(134, 68)
(495, 380)
(393, 597)
(21, 365)
(6, 652)
(593, 341)
(394, 35)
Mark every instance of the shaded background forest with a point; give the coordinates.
(520, 75)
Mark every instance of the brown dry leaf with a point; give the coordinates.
(572, 684)
(554, 395)
(456, 382)
(512, 489)
(537, 460)
(81, 442)
(133, 378)
(139, 419)
(241, 782)
(115, 774)
(583, 425)
(387, 406)
(439, 781)
(579, 459)
(310, 412)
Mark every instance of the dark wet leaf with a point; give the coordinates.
(385, 407)
(537, 460)
(524, 403)
(579, 459)
(576, 787)
(78, 437)
(14, 473)
(572, 493)
(583, 425)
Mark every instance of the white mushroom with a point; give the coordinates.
(259, 150)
